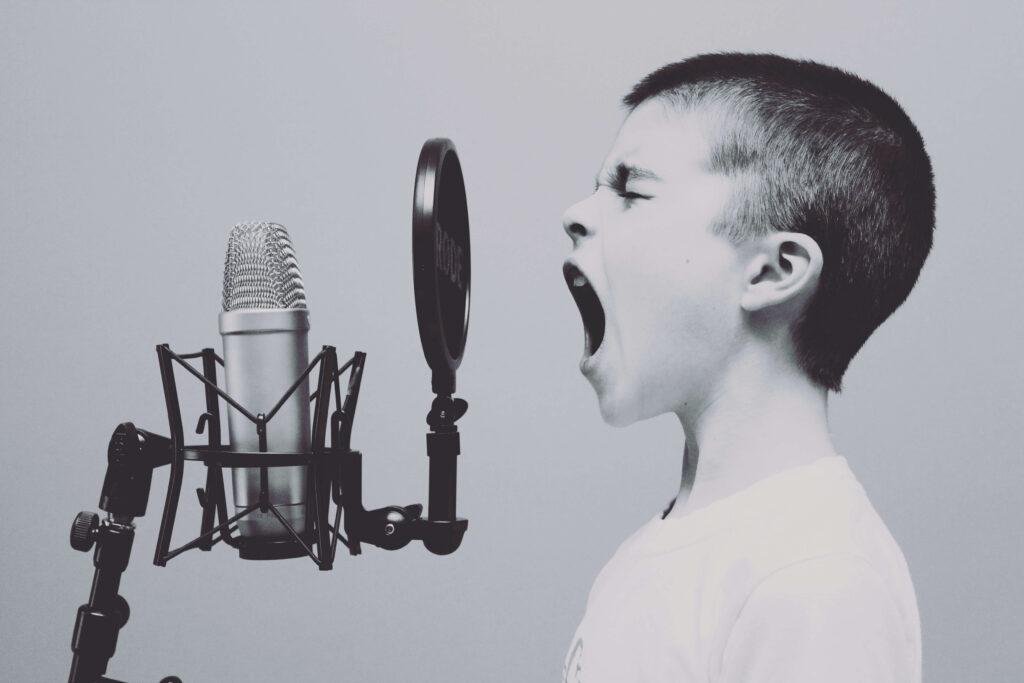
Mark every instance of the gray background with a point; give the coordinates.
(134, 135)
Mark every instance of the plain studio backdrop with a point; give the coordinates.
(134, 135)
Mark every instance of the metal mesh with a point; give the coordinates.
(260, 270)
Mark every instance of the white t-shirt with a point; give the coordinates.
(794, 579)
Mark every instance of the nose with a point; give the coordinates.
(576, 222)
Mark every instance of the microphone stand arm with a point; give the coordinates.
(132, 455)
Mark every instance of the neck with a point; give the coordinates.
(763, 419)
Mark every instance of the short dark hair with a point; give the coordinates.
(820, 151)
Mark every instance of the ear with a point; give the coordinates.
(784, 268)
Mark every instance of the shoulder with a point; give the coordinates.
(817, 588)
(824, 522)
(828, 617)
(622, 563)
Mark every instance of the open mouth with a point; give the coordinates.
(588, 303)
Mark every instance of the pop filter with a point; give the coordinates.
(441, 264)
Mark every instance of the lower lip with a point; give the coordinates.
(589, 363)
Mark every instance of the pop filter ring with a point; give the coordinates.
(441, 260)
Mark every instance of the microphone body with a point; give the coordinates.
(265, 351)
(264, 326)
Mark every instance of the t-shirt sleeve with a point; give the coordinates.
(830, 618)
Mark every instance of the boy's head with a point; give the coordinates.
(748, 199)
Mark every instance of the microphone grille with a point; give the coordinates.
(260, 270)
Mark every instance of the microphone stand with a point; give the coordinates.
(133, 454)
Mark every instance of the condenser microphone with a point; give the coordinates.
(264, 326)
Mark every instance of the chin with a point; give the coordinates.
(619, 410)
(623, 407)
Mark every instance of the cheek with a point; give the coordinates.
(708, 303)
(641, 281)
(664, 278)
(694, 342)
(676, 307)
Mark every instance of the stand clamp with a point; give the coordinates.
(394, 526)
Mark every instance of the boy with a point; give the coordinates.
(756, 219)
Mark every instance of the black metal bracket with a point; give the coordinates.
(216, 456)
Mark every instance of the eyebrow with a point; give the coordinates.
(620, 175)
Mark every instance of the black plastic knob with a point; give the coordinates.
(121, 610)
(83, 531)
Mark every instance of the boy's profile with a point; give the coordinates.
(755, 220)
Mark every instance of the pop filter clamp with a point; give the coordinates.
(441, 268)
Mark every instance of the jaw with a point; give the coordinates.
(618, 394)
(602, 361)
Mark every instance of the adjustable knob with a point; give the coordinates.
(445, 411)
(121, 610)
(83, 531)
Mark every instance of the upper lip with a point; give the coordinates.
(588, 302)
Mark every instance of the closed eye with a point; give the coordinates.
(617, 179)
(630, 197)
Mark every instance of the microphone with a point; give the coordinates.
(264, 326)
